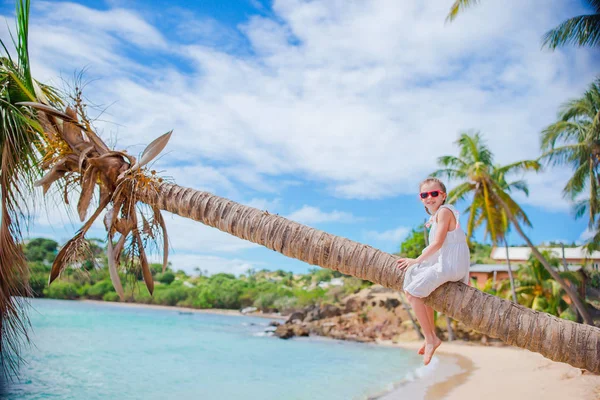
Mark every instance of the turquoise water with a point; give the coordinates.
(106, 351)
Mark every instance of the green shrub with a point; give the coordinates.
(83, 290)
(265, 301)
(310, 297)
(99, 289)
(38, 282)
(111, 296)
(165, 278)
(568, 314)
(169, 296)
(61, 290)
(285, 304)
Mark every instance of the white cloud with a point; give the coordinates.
(313, 215)
(358, 97)
(264, 204)
(392, 235)
(212, 264)
(187, 235)
(586, 235)
(362, 97)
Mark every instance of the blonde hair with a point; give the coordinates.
(431, 179)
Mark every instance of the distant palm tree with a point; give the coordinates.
(475, 168)
(582, 31)
(574, 140)
(491, 204)
(475, 155)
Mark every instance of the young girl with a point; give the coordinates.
(446, 259)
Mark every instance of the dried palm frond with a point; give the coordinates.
(77, 156)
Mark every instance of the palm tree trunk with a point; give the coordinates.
(568, 289)
(557, 339)
(510, 274)
(564, 260)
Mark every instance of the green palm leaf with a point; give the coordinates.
(21, 142)
(581, 31)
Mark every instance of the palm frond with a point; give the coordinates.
(460, 192)
(449, 173)
(21, 139)
(520, 185)
(566, 154)
(458, 7)
(583, 30)
(520, 166)
(578, 181)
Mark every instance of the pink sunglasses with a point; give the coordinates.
(433, 193)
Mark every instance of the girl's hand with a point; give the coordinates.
(405, 262)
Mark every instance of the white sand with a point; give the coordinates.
(497, 373)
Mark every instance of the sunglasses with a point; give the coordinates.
(433, 193)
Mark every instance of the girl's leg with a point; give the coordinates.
(432, 342)
(430, 313)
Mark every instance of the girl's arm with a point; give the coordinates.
(444, 219)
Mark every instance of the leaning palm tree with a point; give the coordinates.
(574, 140)
(134, 197)
(582, 31)
(491, 202)
(125, 184)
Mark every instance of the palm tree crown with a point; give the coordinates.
(574, 140)
(475, 168)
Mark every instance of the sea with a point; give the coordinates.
(86, 350)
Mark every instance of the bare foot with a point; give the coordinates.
(430, 349)
(422, 349)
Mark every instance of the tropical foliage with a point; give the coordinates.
(539, 291)
(269, 291)
(491, 204)
(479, 178)
(414, 243)
(582, 30)
(574, 140)
(21, 142)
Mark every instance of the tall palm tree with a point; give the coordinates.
(499, 175)
(582, 31)
(491, 203)
(574, 140)
(80, 157)
(473, 166)
(21, 142)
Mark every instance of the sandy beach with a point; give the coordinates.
(466, 371)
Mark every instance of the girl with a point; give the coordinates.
(446, 259)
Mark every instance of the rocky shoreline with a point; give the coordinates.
(373, 314)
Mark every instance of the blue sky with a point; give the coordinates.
(327, 112)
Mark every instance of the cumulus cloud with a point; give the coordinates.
(314, 215)
(359, 97)
(393, 235)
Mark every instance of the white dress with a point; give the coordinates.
(449, 264)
